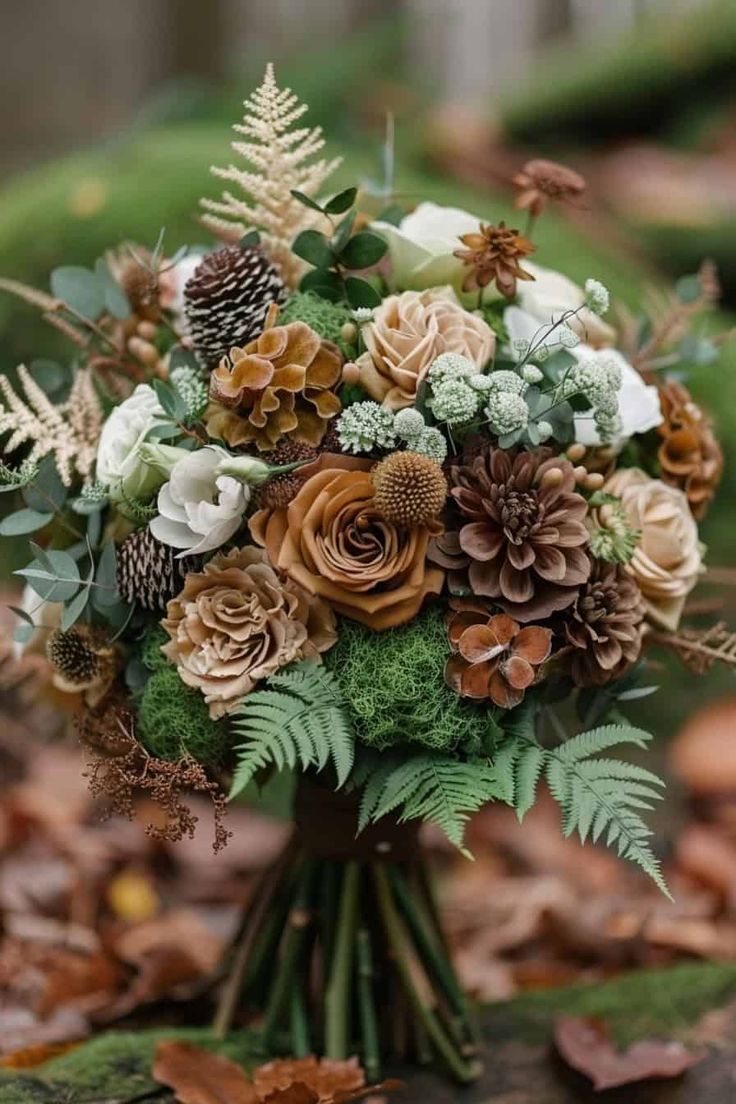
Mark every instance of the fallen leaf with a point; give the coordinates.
(198, 1076)
(326, 1076)
(36, 1055)
(586, 1046)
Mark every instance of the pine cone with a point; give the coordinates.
(227, 299)
(520, 536)
(148, 571)
(690, 455)
(604, 625)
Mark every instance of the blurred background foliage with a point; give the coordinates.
(644, 106)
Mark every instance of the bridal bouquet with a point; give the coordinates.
(371, 496)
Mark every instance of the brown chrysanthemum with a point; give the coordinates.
(493, 657)
(521, 536)
(279, 386)
(494, 253)
(540, 181)
(604, 625)
(690, 455)
(410, 489)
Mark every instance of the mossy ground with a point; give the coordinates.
(664, 1003)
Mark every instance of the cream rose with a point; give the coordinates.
(408, 332)
(119, 465)
(550, 295)
(667, 560)
(421, 247)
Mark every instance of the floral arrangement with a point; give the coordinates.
(363, 494)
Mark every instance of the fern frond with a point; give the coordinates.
(299, 720)
(436, 788)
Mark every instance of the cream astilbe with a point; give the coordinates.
(69, 431)
(278, 157)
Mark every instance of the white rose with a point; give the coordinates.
(119, 465)
(199, 509)
(638, 402)
(421, 247)
(550, 295)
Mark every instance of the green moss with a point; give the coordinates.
(327, 319)
(173, 720)
(114, 1066)
(151, 655)
(394, 684)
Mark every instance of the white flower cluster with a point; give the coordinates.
(366, 426)
(188, 383)
(597, 298)
(599, 378)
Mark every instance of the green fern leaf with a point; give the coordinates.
(298, 720)
(435, 788)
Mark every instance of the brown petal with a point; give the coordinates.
(502, 694)
(533, 644)
(462, 621)
(504, 627)
(476, 679)
(480, 541)
(518, 672)
(479, 643)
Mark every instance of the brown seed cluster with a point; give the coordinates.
(410, 489)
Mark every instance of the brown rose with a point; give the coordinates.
(236, 622)
(667, 560)
(333, 542)
(411, 330)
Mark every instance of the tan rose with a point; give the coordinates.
(667, 560)
(333, 542)
(236, 622)
(411, 330)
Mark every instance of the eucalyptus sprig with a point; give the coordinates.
(341, 251)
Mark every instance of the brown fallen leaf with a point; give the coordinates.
(198, 1076)
(586, 1046)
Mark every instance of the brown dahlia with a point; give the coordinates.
(494, 253)
(520, 536)
(540, 181)
(604, 625)
(690, 455)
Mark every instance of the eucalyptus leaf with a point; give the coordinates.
(313, 247)
(181, 357)
(361, 294)
(327, 285)
(306, 200)
(45, 492)
(116, 301)
(250, 239)
(73, 610)
(55, 580)
(364, 250)
(170, 400)
(80, 288)
(23, 634)
(23, 614)
(53, 379)
(94, 528)
(341, 202)
(22, 522)
(106, 590)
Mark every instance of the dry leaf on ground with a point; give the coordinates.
(586, 1046)
(197, 1076)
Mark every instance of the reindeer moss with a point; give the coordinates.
(151, 655)
(327, 319)
(394, 684)
(173, 719)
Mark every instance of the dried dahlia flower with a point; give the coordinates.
(541, 180)
(408, 332)
(667, 560)
(604, 625)
(690, 456)
(279, 386)
(520, 532)
(236, 622)
(493, 656)
(332, 540)
(494, 253)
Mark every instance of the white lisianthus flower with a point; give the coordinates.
(421, 249)
(119, 465)
(199, 508)
(550, 295)
(639, 407)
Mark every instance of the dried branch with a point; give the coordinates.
(699, 649)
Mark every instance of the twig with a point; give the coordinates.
(337, 997)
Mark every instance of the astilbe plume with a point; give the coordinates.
(69, 431)
(281, 162)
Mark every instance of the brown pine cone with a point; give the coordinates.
(604, 625)
(690, 455)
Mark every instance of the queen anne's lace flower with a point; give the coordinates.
(451, 366)
(408, 423)
(431, 443)
(454, 401)
(597, 298)
(506, 413)
(507, 381)
(365, 426)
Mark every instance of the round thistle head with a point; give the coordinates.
(73, 655)
(410, 489)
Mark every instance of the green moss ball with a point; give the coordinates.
(173, 720)
(394, 684)
(327, 319)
